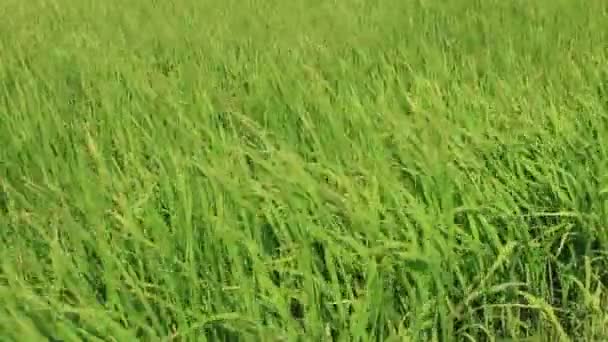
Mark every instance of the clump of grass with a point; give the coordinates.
(188, 171)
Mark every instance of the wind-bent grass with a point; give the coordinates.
(304, 170)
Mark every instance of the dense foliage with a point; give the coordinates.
(303, 170)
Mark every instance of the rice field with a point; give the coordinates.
(304, 170)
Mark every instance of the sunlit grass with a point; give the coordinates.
(304, 170)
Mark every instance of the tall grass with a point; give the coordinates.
(304, 170)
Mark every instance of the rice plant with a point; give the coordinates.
(303, 170)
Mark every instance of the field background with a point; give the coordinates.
(304, 170)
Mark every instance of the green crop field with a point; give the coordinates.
(303, 170)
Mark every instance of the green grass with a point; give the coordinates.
(304, 170)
